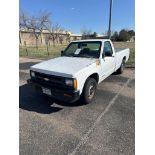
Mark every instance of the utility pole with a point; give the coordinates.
(110, 15)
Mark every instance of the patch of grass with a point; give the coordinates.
(131, 46)
(56, 51)
(41, 52)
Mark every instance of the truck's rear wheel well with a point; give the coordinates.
(94, 76)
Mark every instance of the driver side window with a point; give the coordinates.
(107, 51)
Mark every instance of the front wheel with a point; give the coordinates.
(89, 90)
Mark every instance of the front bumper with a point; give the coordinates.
(59, 94)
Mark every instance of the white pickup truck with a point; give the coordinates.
(79, 69)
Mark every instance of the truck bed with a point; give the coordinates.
(119, 49)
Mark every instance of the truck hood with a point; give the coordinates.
(63, 66)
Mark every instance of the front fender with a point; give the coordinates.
(84, 74)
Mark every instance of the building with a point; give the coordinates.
(44, 38)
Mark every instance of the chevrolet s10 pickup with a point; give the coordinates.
(81, 67)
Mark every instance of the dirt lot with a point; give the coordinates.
(104, 127)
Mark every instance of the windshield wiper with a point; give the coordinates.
(76, 56)
(68, 55)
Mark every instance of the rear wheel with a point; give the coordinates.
(89, 90)
(121, 69)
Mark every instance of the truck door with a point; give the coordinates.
(108, 60)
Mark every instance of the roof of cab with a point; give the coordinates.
(92, 40)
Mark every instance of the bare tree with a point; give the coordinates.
(44, 21)
(52, 35)
(34, 26)
(86, 33)
(55, 33)
(40, 22)
(58, 32)
(28, 23)
(61, 38)
(23, 23)
(20, 29)
(75, 38)
(68, 37)
(35, 23)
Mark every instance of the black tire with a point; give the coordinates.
(89, 90)
(121, 69)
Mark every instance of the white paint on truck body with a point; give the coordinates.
(120, 54)
(63, 66)
(82, 68)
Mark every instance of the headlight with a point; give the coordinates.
(69, 82)
(32, 74)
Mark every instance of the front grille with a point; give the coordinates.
(50, 80)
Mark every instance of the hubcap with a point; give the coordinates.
(91, 91)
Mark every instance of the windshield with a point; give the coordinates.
(83, 49)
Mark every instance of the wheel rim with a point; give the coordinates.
(91, 91)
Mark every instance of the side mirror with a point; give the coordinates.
(62, 52)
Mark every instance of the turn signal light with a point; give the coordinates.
(75, 84)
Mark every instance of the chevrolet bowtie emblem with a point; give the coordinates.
(46, 79)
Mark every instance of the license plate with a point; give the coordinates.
(46, 91)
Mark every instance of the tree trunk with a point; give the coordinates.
(26, 48)
(41, 38)
(37, 43)
(47, 50)
(53, 42)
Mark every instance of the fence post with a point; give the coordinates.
(26, 48)
(47, 50)
(47, 47)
